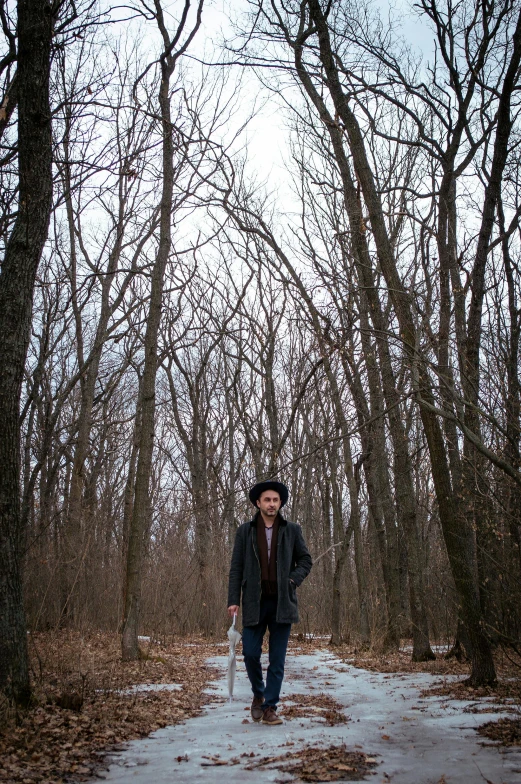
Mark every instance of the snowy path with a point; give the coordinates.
(415, 741)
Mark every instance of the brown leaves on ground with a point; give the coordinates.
(506, 732)
(317, 706)
(399, 661)
(508, 664)
(505, 691)
(314, 763)
(54, 744)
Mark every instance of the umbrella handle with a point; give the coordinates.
(234, 619)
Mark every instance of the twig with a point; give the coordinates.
(326, 552)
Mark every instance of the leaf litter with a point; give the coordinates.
(314, 763)
(81, 708)
(318, 706)
(506, 732)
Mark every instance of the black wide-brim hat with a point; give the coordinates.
(270, 484)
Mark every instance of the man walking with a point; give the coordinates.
(270, 560)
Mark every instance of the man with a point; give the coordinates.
(270, 560)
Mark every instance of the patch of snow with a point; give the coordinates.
(435, 648)
(416, 740)
(152, 687)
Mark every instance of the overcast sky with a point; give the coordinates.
(266, 134)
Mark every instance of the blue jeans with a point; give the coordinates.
(252, 637)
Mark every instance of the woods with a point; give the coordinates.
(176, 326)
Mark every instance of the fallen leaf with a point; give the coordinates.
(313, 764)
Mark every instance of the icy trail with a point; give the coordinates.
(416, 741)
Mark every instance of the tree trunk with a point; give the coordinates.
(341, 557)
(512, 491)
(457, 530)
(473, 489)
(128, 500)
(23, 252)
(405, 501)
(361, 579)
(138, 525)
(141, 506)
(377, 478)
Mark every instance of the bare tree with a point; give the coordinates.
(173, 49)
(22, 255)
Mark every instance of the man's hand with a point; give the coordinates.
(233, 609)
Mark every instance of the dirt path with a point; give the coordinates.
(411, 740)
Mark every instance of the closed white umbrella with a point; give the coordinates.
(234, 637)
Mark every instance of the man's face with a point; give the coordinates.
(269, 503)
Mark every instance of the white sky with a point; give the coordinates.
(266, 133)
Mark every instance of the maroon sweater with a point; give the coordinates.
(268, 566)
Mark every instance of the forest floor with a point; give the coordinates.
(88, 704)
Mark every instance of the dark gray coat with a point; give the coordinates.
(293, 563)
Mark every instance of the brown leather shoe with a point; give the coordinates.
(270, 717)
(256, 708)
